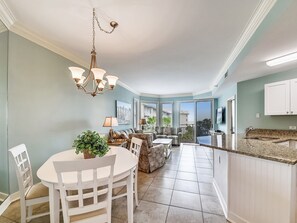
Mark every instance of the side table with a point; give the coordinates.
(167, 144)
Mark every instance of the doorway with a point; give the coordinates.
(231, 115)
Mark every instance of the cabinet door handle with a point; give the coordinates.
(291, 112)
(287, 112)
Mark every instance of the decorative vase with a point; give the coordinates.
(87, 155)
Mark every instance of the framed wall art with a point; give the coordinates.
(123, 112)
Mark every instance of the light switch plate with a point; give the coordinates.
(257, 115)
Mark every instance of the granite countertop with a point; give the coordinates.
(264, 144)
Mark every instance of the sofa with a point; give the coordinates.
(170, 133)
(124, 134)
(151, 156)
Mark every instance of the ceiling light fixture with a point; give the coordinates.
(94, 82)
(282, 59)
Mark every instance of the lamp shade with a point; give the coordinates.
(76, 72)
(98, 73)
(81, 81)
(142, 121)
(112, 80)
(110, 122)
(101, 85)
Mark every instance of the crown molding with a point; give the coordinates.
(127, 87)
(258, 16)
(166, 95)
(2, 27)
(6, 15)
(149, 95)
(21, 31)
(202, 92)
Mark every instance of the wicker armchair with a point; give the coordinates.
(151, 157)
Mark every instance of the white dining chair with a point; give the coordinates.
(135, 147)
(85, 194)
(30, 194)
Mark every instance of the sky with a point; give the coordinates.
(203, 110)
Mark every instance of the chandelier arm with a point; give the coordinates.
(84, 89)
(85, 83)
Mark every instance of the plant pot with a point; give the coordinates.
(87, 155)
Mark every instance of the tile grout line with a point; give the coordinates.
(169, 205)
(198, 185)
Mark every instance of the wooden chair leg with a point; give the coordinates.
(30, 210)
(23, 211)
(135, 188)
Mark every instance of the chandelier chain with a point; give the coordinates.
(94, 49)
(103, 30)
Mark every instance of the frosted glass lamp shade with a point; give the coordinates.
(98, 73)
(101, 85)
(110, 122)
(81, 81)
(112, 80)
(76, 73)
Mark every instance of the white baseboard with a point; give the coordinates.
(230, 216)
(221, 198)
(235, 218)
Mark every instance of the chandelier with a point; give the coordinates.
(94, 82)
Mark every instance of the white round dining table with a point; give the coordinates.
(123, 169)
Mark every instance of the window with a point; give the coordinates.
(204, 117)
(167, 114)
(149, 111)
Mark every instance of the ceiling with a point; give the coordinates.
(279, 38)
(160, 47)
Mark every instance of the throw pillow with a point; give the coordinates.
(124, 136)
(116, 134)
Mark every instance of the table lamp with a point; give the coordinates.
(110, 122)
(142, 122)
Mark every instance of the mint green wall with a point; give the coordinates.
(4, 187)
(45, 110)
(250, 96)
(222, 102)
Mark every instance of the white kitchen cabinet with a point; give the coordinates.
(281, 98)
(294, 96)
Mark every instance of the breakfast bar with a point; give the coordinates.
(255, 175)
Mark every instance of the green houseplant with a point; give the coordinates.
(167, 121)
(90, 144)
(151, 121)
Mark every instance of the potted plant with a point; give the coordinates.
(90, 144)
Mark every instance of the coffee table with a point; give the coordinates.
(167, 144)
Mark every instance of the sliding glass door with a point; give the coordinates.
(187, 121)
(204, 117)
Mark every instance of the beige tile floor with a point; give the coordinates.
(180, 191)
